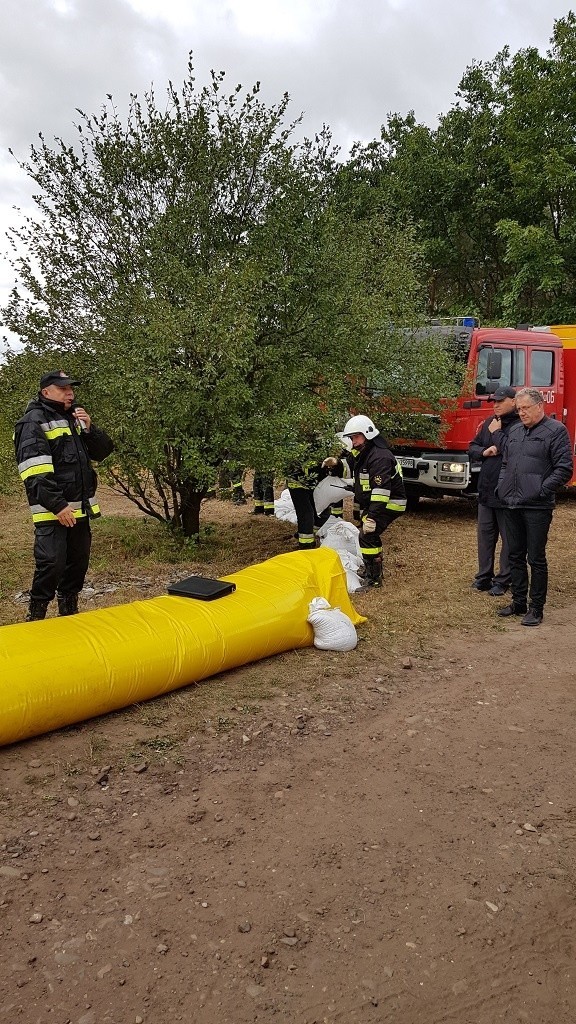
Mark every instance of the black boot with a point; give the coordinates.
(36, 609)
(373, 575)
(67, 604)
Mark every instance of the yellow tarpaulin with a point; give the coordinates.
(64, 670)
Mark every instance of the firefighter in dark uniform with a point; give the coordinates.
(263, 494)
(301, 479)
(302, 476)
(55, 440)
(378, 490)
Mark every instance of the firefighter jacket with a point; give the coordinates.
(536, 462)
(491, 464)
(53, 455)
(378, 484)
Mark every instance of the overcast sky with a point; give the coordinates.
(345, 63)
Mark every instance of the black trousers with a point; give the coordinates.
(303, 501)
(371, 543)
(61, 554)
(263, 492)
(527, 534)
(490, 527)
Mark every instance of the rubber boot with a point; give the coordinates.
(67, 604)
(373, 575)
(37, 610)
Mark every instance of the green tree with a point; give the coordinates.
(216, 292)
(492, 189)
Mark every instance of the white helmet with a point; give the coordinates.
(361, 425)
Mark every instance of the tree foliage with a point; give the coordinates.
(492, 189)
(220, 289)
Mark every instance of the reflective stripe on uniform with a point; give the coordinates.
(32, 467)
(94, 508)
(380, 494)
(398, 505)
(370, 551)
(306, 538)
(43, 515)
(268, 506)
(56, 428)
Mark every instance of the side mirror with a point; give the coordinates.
(494, 365)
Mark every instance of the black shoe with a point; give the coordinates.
(497, 590)
(37, 610)
(67, 604)
(477, 585)
(533, 617)
(512, 609)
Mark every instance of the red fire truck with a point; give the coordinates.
(539, 357)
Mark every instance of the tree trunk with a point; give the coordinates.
(190, 499)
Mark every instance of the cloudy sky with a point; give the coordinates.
(345, 63)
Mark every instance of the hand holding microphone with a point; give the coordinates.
(82, 418)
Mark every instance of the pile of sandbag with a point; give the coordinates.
(337, 534)
(342, 537)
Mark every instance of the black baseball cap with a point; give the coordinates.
(501, 393)
(58, 377)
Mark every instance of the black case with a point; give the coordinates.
(202, 587)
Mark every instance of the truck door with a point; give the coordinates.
(543, 373)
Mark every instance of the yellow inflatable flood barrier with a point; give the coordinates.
(64, 670)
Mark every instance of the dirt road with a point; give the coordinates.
(398, 847)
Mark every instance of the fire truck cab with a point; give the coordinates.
(542, 358)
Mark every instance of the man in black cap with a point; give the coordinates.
(487, 448)
(55, 440)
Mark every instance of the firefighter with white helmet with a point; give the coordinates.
(378, 490)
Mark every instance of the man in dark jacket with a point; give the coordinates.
(487, 448)
(55, 440)
(378, 490)
(536, 461)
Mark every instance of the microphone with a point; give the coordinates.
(79, 421)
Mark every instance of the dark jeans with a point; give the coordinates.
(527, 533)
(490, 527)
(61, 554)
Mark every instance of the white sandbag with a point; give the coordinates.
(284, 508)
(333, 630)
(353, 582)
(330, 522)
(343, 536)
(350, 561)
(329, 491)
